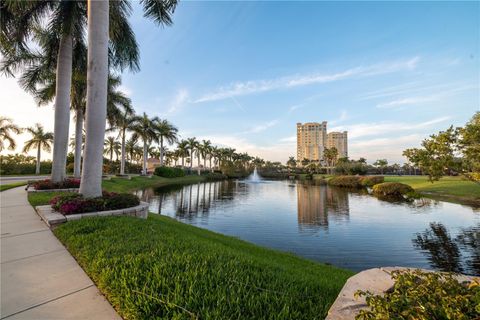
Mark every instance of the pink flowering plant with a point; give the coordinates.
(47, 184)
(74, 203)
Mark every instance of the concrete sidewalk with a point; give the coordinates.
(39, 278)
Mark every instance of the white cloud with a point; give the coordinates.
(181, 97)
(343, 116)
(407, 101)
(262, 127)
(383, 128)
(257, 86)
(389, 148)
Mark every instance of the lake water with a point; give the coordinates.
(351, 230)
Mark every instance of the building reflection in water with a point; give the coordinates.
(317, 204)
(447, 253)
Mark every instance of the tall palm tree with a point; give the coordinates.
(206, 148)
(182, 151)
(166, 132)
(193, 147)
(41, 140)
(7, 127)
(98, 29)
(130, 147)
(123, 122)
(330, 154)
(145, 128)
(66, 21)
(112, 146)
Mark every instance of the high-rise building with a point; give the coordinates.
(311, 140)
(339, 141)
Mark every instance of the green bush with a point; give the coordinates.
(351, 168)
(346, 181)
(20, 164)
(392, 189)
(168, 172)
(215, 176)
(370, 181)
(424, 296)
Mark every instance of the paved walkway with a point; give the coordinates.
(15, 179)
(39, 278)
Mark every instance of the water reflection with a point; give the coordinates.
(316, 204)
(346, 228)
(456, 254)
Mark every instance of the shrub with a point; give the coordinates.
(346, 181)
(370, 181)
(121, 200)
(351, 168)
(392, 189)
(168, 172)
(215, 176)
(424, 295)
(47, 184)
(72, 203)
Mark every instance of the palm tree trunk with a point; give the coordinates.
(97, 78)
(210, 160)
(78, 144)
(183, 162)
(144, 171)
(62, 108)
(122, 162)
(198, 163)
(37, 169)
(161, 151)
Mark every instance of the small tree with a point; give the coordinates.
(41, 140)
(456, 150)
(381, 164)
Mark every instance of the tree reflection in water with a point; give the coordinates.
(447, 253)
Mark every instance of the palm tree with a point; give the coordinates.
(7, 127)
(145, 128)
(130, 147)
(41, 140)
(206, 148)
(182, 150)
(112, 146)
(166, 132)
(123, 122)
(192, 147)
(66, 21)
(330, 154)
(98, 30)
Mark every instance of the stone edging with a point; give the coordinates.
(53, 218)
(376, 280)
(32, 190)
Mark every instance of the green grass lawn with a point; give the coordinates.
(4, 187)
(447, 188)
(124, 185)
(163, 269)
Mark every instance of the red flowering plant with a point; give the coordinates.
(47, 184)
(73, 203)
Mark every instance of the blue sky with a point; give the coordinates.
(244, 73)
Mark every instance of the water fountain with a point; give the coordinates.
(254, 177)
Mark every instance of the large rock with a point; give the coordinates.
(376, 280)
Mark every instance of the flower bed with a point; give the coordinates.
(75, 203)
(47, 184)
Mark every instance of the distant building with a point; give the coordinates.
(339, 141)
(152, 163)
(312, 139)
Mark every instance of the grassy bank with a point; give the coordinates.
(4, 187)
(121, 185)
(124, 185)
(161, 268)
(453, 189)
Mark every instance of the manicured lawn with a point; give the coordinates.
(120, 185)
(124, 185)
(4, 187)
(449, 188)
(163, 269)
